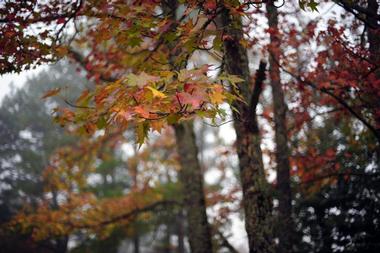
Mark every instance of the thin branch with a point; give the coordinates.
(218, 125)
(226, 244)
(78, 106)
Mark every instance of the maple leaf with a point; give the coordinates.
(189, 87)
(217, 97)
(141, 133)
(157, 125)
(125, 114)
(141, 80)
(194, 100)
(156, 93)
(210, 4)
(83, 96)
(51, 93)
(142, 111)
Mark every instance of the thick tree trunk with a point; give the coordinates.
(256, 197)
(374, 50)
(374, 40)
(61, 245)
(285, 223)
(191, 178)
(374, 33)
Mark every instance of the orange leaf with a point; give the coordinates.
(51, 93)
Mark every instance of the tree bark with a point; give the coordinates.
(374, 44)
(191, 178)
(257, 201)
(284, 194)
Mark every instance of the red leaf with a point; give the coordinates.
(61, 20)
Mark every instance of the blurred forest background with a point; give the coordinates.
(64, 192)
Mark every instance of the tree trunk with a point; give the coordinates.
(285, 223)
(191, 178)
(61, 245)
(374, 33)
(256, 197)
(180, 233)
(167, 245)
(374, 50)
(136, 243)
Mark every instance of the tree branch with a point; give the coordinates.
(132, 214)
(82, 62)
(257, 89)
(225, 243)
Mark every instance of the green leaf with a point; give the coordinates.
(101, 123)
(313, 5)
(173, 118)
(141, 133)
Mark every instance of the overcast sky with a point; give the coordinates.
(17, 80)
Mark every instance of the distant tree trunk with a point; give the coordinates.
(180, 233)
(285, 224)
(60, 243)
(191, 178)
(167, 244)
(256, 196)
(136, 243)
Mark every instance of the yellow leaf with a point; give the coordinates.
(217, 97)
(141, 80)
(156, 93)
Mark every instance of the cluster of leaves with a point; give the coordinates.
(30, 30)
(150, 101)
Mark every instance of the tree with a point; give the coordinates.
(284, 192)
(257, 200)
(140, 55)
(29, 137)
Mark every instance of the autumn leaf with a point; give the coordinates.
(216, 96)
(156, 93)
(142, 111)
(51, 93)
(83, 96)
(141, 80)
(141, 133)
(157, 125)
(210, 4)
(191, 99)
